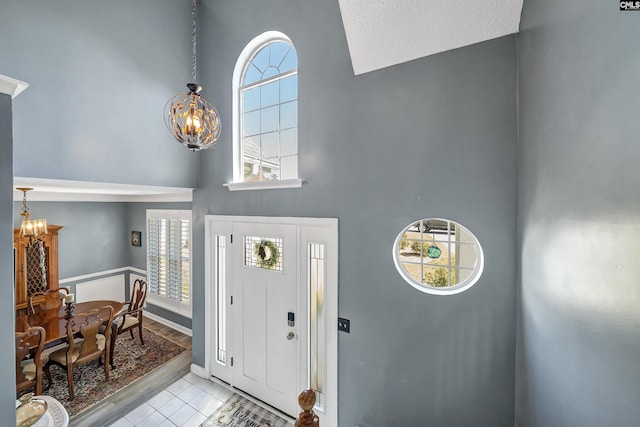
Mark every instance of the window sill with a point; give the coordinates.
(167, 304)
(264, 185)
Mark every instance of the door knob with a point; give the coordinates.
(291, 336)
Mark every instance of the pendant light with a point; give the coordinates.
(30, 227)
(190, 118)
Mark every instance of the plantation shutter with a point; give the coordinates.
(169, 254)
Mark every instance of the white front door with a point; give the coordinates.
(266, 345)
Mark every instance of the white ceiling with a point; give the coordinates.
(381, 33)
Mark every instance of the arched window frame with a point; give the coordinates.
(245, 58)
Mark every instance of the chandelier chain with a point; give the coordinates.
(190, 118)
(193, 41)
(24, 202)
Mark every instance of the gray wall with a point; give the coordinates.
(7, 294)
(434, 137)
(94, 237)
(97, 237)
(136, 220)
(100, 75)
(578, 214)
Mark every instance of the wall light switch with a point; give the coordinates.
(344, 325)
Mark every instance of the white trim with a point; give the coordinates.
(451, 290)
(168, 323)
(264, 185)
(212, 367)
(245, 56)
(51, 190)
(181, 309)
(103, 288)
(98, 274)
(10, 86)
(326, 232)
(311, 229)
(185, 310)
(138, 270)
(112, 273)
(200, 371)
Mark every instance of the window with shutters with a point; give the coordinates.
(169, 259)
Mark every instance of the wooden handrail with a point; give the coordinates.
(307, 417)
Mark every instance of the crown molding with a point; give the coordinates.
(11, 87)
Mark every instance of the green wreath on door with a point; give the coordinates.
(267, 254)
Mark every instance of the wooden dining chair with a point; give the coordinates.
(85, 344)
(52, 300)
(132, 317)
(29, 345)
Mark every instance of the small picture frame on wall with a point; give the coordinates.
(136, 238)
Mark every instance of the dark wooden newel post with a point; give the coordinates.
(307, 417)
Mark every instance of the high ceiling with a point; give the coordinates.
(381, 33)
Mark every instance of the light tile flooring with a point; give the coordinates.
(186, 402)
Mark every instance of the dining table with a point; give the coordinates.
(54, 322)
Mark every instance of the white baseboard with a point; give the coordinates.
(168, 323)
(199, 371)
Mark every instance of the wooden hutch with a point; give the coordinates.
(23, 287)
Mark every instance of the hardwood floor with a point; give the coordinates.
(167, 332)
(127, 399)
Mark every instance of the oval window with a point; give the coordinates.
(438, 256)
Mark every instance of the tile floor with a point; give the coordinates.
(187, 402)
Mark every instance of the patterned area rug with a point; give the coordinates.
(240, 412)
(133, 361)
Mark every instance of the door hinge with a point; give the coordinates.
(232, 361)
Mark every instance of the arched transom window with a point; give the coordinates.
(267, 106)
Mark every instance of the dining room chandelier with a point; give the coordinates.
(190, 118)
(30, 227)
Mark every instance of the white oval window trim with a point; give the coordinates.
(449, 290)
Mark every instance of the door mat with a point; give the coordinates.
(240, 412)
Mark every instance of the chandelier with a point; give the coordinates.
(190, 118)
(30, 227)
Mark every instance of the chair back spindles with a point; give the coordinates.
(49, 300)
(132, 318)
(94, 344)
(88, 326)
(138, 294)
(306, 400)
(29, 344)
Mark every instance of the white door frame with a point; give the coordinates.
(310, 230)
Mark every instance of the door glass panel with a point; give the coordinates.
(36, 267)
(221, 300)
(263, 252)
(317, 311)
